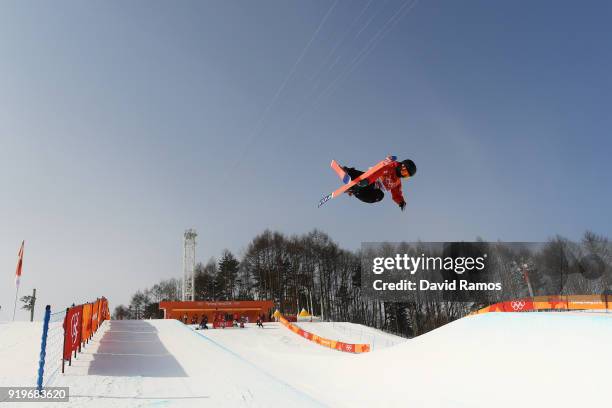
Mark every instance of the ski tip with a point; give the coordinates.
(325, 199)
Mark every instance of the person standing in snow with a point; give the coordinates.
(204, 322)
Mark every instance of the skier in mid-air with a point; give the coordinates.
(387, 177)
(368, 186)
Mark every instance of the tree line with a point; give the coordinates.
(312, 271)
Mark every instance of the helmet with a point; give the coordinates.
(410, 167)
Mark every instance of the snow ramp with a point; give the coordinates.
(165, 363)
(497, 360)
(490, 360)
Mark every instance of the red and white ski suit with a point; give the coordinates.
(388, 179)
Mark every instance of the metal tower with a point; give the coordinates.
(189, 246)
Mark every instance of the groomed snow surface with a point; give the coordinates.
(491, 360)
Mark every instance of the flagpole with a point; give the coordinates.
(15, 305)
(18, 276)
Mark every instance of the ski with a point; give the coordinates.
(340, 172)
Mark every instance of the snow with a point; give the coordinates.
(19, 352)
(496, 359)
(168, 364)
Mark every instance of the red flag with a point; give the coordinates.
(19, 265)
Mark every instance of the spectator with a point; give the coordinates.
(204, 322)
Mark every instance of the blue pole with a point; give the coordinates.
(43, 348)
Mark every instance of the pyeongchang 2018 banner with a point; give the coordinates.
(483, 272)
(72, 330)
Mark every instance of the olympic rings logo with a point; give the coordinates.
(517, 305)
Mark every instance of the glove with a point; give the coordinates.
(402, 205)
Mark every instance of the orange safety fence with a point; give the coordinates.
(80, 324)
(86, 325)
(334, 344)
(558, 302)
(94, 316)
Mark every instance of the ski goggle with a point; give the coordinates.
(404, 171)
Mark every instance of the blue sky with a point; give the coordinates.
(122, 124)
